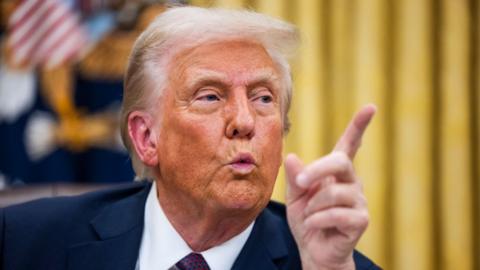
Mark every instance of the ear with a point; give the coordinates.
(143, 137)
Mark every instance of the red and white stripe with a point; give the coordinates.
(45, 32)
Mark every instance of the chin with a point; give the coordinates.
(243, 204)
(245, 199)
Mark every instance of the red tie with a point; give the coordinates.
(193, 261)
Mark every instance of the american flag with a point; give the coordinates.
(46, 33)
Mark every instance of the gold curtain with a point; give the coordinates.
(419, 61)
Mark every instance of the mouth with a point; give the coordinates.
(243, 163)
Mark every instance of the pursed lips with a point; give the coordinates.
(243, 163)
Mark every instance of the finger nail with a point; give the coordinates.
(302, 180)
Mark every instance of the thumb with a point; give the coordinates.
(293, 166)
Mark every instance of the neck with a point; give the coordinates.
(201, 227)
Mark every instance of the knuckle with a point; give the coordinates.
(331, 190)
(339, 218)
(332, 215)
(342, 162)
(362, 201)
(334, 194)
(364, 220)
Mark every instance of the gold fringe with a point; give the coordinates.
(75, 130)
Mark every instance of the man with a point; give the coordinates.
(205, 110)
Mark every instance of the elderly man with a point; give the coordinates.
(205, 110)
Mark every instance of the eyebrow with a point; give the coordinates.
(202, 76)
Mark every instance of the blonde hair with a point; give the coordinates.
(180, 28)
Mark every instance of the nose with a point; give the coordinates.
(240, 118)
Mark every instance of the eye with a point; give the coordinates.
(262, 95)
(266, 99)
(209, 97)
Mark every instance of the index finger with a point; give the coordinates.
(352, 136)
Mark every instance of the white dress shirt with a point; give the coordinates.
(162, 246)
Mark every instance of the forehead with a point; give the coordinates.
(236, 61)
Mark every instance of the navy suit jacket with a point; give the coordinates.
(103, 230)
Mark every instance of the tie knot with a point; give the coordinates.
(193, 261)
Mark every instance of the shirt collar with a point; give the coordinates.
(162, 246)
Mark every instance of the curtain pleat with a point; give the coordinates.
(230, 3)
(370, 86)
(340, 67)
(307, 137)
(412, 138)
(455, 147)
(476, 137)
(274, 8)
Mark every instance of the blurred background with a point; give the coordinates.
(61, 72)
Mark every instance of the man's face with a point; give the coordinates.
(220, 134)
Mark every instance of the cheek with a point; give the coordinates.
(271, 143)
(199, 133)
(187, 141)
(270, 132)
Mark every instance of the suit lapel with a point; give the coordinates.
(118, 230)
(265, 247)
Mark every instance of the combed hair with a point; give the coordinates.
(180, 28)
